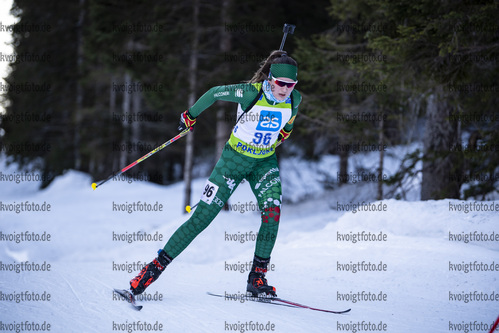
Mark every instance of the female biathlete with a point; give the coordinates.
(267, 107)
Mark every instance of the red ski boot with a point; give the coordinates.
(150, 273)
(257, 283)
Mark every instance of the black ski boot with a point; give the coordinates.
(257, 283)
(150, 273)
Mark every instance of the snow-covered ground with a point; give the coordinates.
(433, 278)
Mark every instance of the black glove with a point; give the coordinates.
(186, 120)
(283, 135)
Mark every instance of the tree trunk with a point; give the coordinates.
(439, 163)
(126, 113)
(381, 158)
(193, 64)
(223, 127)
(79, 88)
(112, 111)
(343, 176)
(135, 126)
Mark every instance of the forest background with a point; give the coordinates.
(95, 85)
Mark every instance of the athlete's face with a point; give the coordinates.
(282, 87)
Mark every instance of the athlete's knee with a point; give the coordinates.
(271, 214)
(202, 216)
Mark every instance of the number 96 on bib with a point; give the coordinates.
(209, 192)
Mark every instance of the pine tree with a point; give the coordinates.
(44, 87)
(347, 99)
(439, 49)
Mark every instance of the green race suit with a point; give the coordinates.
(248, 154)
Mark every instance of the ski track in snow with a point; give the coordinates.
(417, 283)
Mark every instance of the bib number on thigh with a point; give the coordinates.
(210, 190)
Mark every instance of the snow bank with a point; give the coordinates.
(419, 266)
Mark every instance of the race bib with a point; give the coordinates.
(209, 192)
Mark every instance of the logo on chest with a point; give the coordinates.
(269, 121)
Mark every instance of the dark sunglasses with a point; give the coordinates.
(283, 83)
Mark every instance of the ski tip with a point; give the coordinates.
(123, 293)
(188, 209)
(94, 186)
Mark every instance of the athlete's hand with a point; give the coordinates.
(186, 120)
(283, 135)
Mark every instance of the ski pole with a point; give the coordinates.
(189, 208)
(495, 325)
(288, 28)
(152, 152)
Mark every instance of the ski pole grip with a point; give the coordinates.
(288, 28)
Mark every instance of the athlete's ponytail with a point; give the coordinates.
(276, 57)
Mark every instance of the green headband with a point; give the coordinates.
(284, 70)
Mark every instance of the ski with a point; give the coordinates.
(298, 305)
(276, 301)
(243, 298)
(128, 296)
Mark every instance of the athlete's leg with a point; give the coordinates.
(266, 185)
(226, 176)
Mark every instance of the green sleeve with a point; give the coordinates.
(242, 93)
(296, 96)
